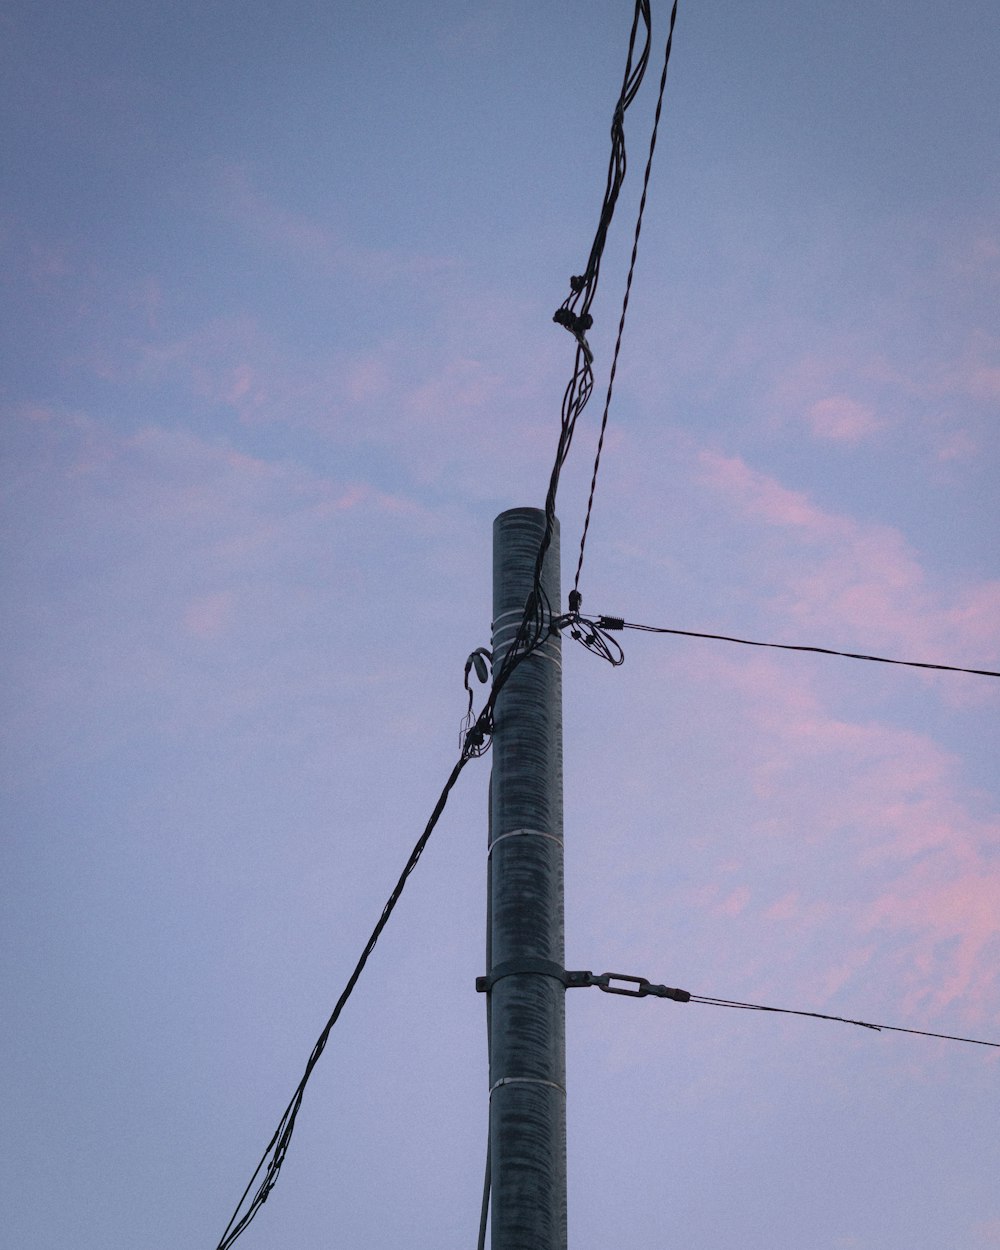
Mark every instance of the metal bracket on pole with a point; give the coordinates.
(580, 980)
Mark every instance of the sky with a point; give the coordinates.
(278, 282)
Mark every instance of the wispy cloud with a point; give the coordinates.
(157, 565)
(267, 222)
(859, 579)
(869, 855)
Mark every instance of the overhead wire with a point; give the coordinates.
(575, 599)
(539, 620)
(537, 623)
(574, 312)
(603, 623)
(640, 987)
(819, 1015)
(274, 1154)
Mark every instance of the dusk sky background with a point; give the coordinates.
(278, 281)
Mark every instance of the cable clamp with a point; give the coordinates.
(609, 982)
(539, 967)
(576, 323)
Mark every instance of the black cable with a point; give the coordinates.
(616, 622)
(529, 638)
(274, 1155)
(484, 1211)
(536, 624)
(819, 1015)
(625, 300)
(640, 987)
(574, 312)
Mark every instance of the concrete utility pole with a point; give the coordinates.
(525, 942)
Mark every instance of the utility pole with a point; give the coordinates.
(525, 925)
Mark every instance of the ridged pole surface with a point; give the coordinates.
(527, 1013)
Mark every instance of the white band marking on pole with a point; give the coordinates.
(542, 653)
(526, 1080)
(520, 833)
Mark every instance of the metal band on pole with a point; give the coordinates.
(527, 1010)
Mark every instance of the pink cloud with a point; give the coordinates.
(822, 392)
(855, 584)
(951, 913)
(788, 907)
(959, 445)
(464, 384)
(734, 903)
(209, 616)
(923, 912)
(366, 379)
(840, 419)
(987, 1234)
(268, 221)
(761, 496)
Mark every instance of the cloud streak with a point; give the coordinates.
(832, 574)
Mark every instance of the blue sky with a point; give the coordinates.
(278, 346)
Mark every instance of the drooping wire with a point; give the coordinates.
(576, 598)
(616, 622)
(475, 744)
(819, 1015)
(592, 638)
(274, 1155)
(484, 1210)
(584, 287)
(529, 638)
(640, 987)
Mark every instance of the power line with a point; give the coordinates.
(819, 1015)
(574, 312)
(639, 987)
(534, 628)
(274, 1155)
(601, 623)
(476, 740)
(575, 598)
